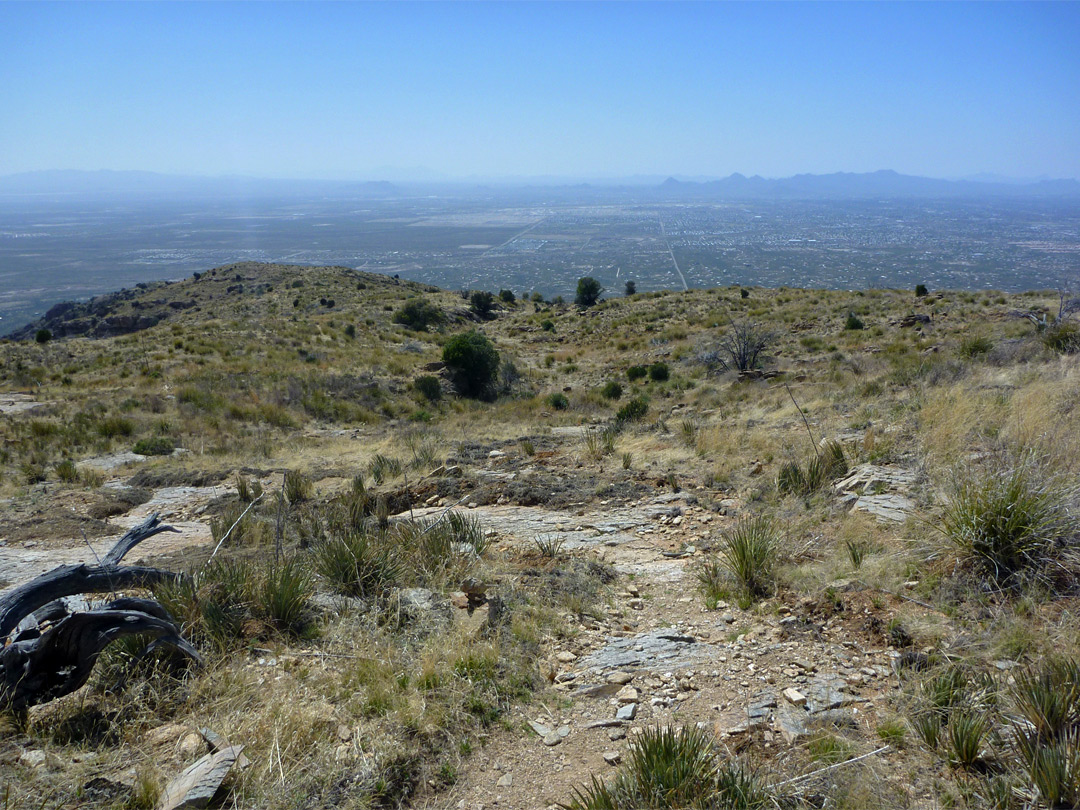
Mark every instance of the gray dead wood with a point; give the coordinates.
(196, 786)
(50, 650)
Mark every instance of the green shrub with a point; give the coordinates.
(154, 446)
(113, 426)
(633, 411)
(611, 390)
(547, 325)
(972, 347)
(921, 291)
(43, 336)
(824, 466)
(507, 296)
(67, 472)
(637, 373)
(473, 362)
(558, 401)
(429, 387)
(418, 314)
(1062, 337)
(658, 372)
(853, 322)
(482, 303)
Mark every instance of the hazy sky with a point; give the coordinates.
(487, 89)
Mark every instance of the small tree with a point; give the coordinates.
(588, 292)
(473, 363)
(43, 336)
(631, 288)
(482, 303)
(507, 296)
(921, 291)
(743, 347)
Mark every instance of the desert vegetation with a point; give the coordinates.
(407, 548)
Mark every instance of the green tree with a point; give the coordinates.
(631, 288)
(588, 292)
(482, 303)
(473, 363)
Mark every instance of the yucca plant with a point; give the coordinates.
(283, 594)
(749, 552)
(297, 486)
(359, 563)
(712, 579)
(965, 737)
(549, 545)
(1047, 697)
(1013, 522)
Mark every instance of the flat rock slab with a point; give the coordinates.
(19, 403)
(196, 786)
(886, 508)
(663, 647)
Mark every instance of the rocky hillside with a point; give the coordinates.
(844, 576)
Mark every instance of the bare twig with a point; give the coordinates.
(833, 767)
(225, 536)
(813, 442)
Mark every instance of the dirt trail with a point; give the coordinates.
(659, 657)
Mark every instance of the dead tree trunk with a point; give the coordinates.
(49, 650)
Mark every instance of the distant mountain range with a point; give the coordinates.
(138, 184)
(839, 185)
(847, 185)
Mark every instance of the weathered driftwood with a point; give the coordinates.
(49, 650)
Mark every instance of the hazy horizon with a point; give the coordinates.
(495, 91)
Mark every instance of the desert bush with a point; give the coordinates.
(283, 594)
(112, 426)
(632, 411)
(67, 472)
(383, 467)
(743, 346)
(1014, 523)
(154, 446)
(853, 322)
(548, 545)
(975, 346)
(482, 304)
(429, 387)
(547, 325)
(473, 363)
(507, 296)
(921, 291)
(803, 481)
(611, 390)
(558, 401)
(418, 314)
(1062, 337)
(43, 336)
(659, 372)
(637, 373)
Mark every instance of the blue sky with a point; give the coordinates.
(525, 89)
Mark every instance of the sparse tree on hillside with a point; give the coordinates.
(588, 292)
(631, 288)
(473, 363)
(482, 303)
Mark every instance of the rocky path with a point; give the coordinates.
(659, 657)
